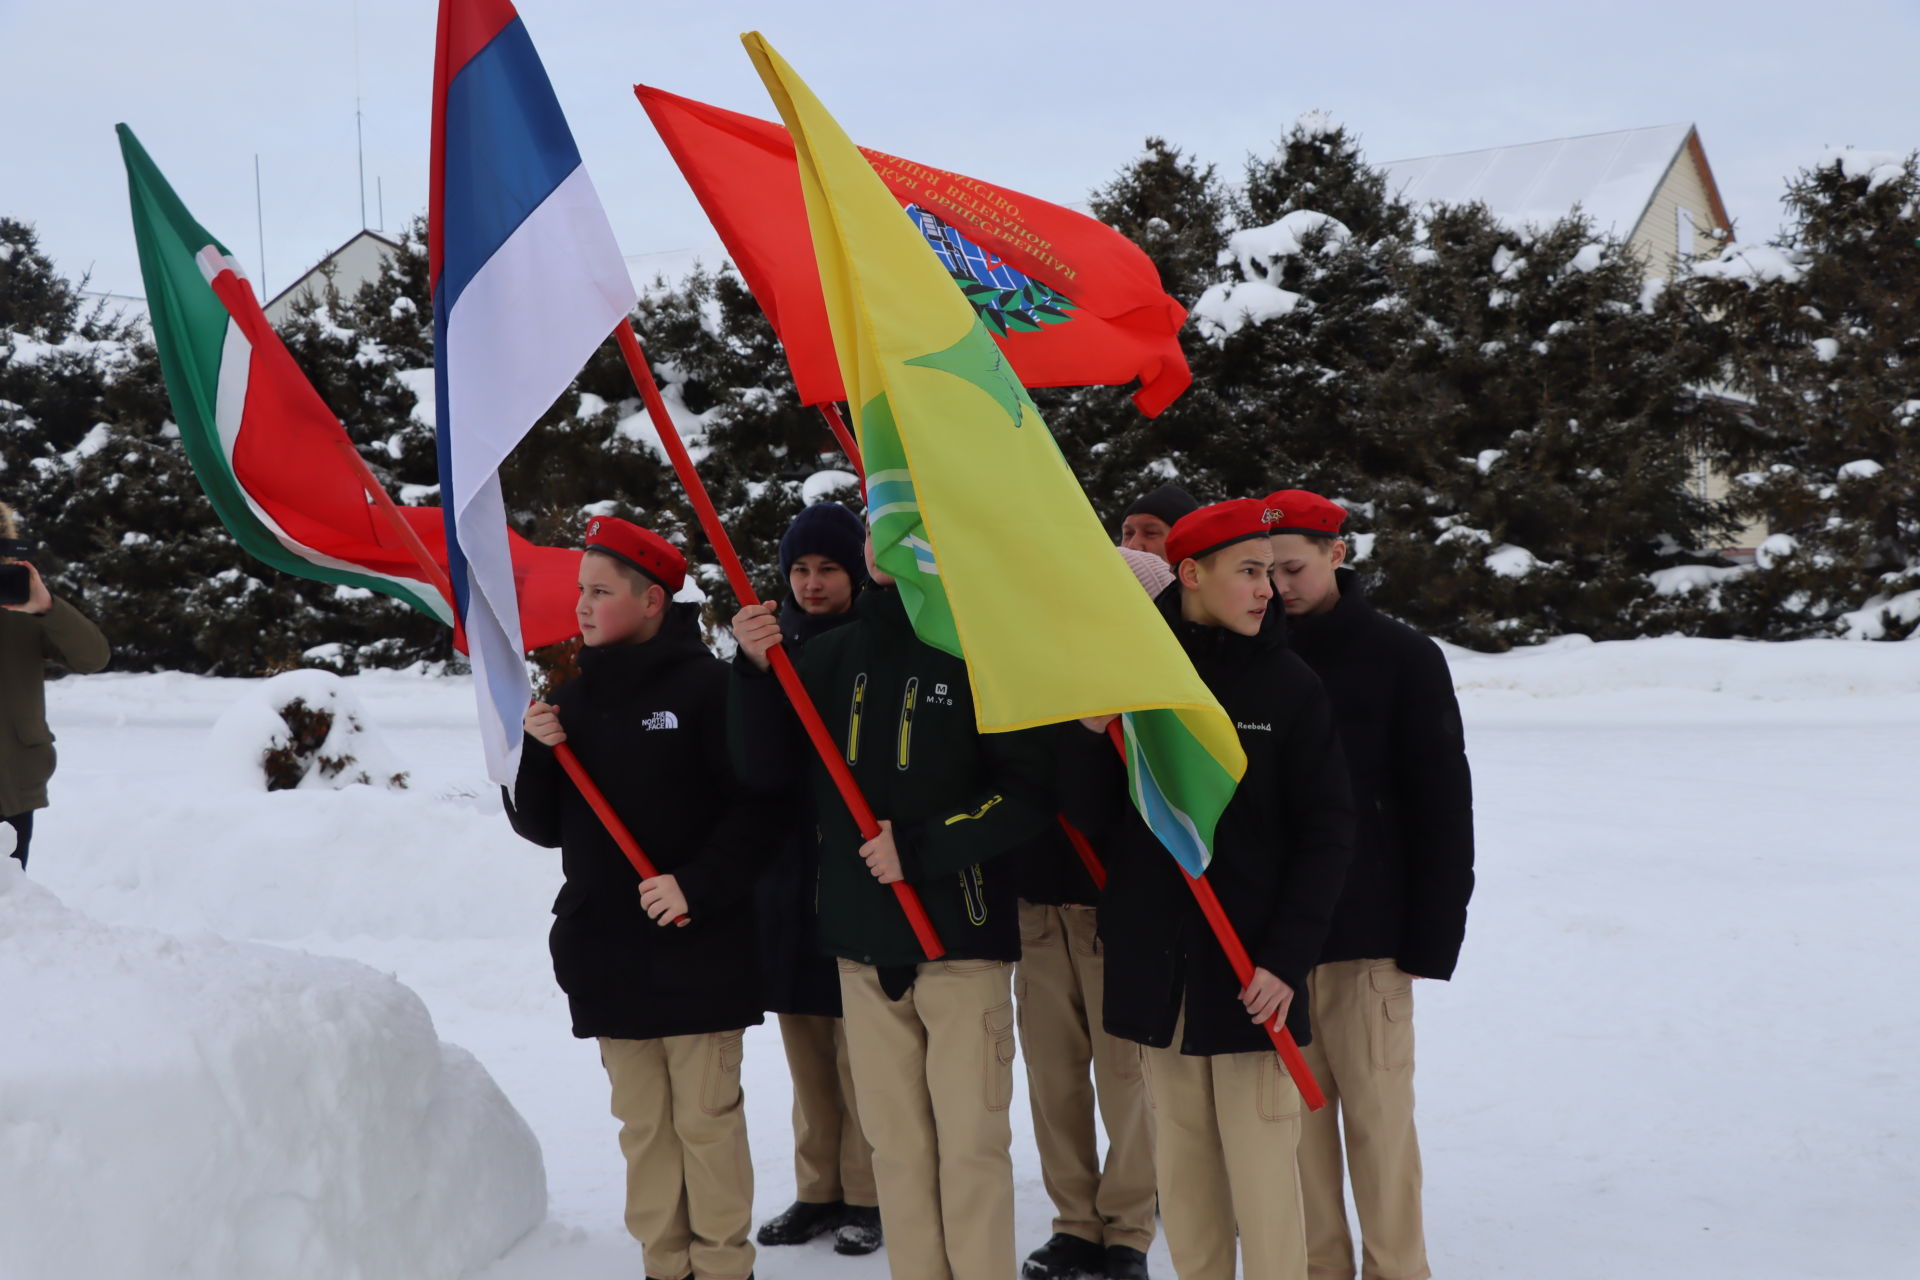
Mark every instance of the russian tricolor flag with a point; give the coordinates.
(527, 282)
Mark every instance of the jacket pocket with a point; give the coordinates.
(1389, 1017)
(997, 1062)
(720, 1091)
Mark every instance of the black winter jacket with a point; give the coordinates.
(1051, 874)
(1406, 895)
(901, 713)
(798, 976)
(648, 722)
(1280, 851)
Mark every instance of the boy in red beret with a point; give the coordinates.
(1228, 1117)
(1404, 911)
(668, 1003)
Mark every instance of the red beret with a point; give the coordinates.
(648, 552)
(1297, 511)
(1203, 532)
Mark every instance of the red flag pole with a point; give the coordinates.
(789, 679)
(838, 425)
(1229, 938)
(1088, 858)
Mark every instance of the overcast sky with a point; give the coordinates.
(1042, 96)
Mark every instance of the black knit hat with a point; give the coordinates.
(1169, 502)
(826, 529)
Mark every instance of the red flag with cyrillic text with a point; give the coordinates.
(1071, 301)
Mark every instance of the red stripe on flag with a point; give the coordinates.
(465, 28)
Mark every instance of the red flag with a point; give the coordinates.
(1071, 301)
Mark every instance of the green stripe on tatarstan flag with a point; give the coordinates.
(262, 443)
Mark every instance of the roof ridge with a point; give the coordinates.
(1540, 142)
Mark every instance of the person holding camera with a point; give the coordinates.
(35, 628)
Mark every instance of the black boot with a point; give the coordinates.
(859, 1232)
(802, 1221)
(1124, 1263)
(1065, 1257)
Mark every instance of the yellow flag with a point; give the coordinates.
(1000, 558)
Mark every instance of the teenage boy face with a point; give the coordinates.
(1232, 587)
(821, 585)
(1145, 533)
(613, 608)
(1303, 572)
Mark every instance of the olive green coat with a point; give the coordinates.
(28, 642)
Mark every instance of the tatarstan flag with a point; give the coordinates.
(265, 447)
(1070, 300)
(952, 444)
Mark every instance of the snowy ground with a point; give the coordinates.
(1680, 1043)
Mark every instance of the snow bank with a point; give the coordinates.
(1868, 676)
(203, 1108)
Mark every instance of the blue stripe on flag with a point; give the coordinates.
(507, 147)
(1173, 828)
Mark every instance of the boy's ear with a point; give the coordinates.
(1188, 571)
(1339, 552)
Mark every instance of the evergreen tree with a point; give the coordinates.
(1819, 334)
(1553, 397)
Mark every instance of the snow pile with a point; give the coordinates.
(1509, 561)
(303, 729)
(1877, 167)
(1684, 578)
(1225, 308)
(822, 486)
(1751, 264)
(1869, 622)
(203, 1108)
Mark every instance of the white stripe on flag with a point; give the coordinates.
(520, 331)
(229, 414)
(527, 322)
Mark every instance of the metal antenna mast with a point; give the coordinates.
(359, 138)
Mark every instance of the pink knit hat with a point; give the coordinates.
(1152, 570)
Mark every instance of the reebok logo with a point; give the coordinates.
(1244, 727)
(661, 720)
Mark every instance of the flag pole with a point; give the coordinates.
(1088, 858)
(838, 425)
(817, 731)
(1229, 939)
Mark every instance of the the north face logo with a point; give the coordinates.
(661, 720)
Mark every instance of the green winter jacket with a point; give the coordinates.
(961, 802)
(28, 641)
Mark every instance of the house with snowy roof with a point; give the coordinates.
(1651, 188)
(352, 265)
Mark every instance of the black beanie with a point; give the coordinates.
(826, 529)
(1169, 502)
